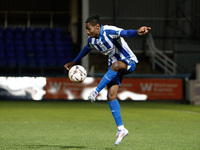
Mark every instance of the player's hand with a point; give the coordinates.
(143, 30)
(69, 65)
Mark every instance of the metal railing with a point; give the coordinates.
(159, 58)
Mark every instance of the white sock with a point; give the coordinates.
(121, 127)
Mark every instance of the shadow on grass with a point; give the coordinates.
(49, 146)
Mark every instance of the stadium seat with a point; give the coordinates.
(8, 30)
(49, 49)
(1, 29)
(34, 47)
(18, 36)
(3, 62)
(30, 49)
(9, 43)
(19, 48)
(39, 48)
(12, 62)
(18, 33)
(39, 42)
(42, 62)
(1, 43)
(48, 42)
(58, 43)
(19, 42)
(47, 33)
(32, 63)
(22, 62)
(9, 48)
(1, 35)
(2, 54)
(28, 42)
(20, 55)
(18, 30)
(62, 62)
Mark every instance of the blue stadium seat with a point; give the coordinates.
(28, 30)
(2, 54)
(18, 36)
(51, 62)
(47, 33)
(2, 48)
(57, 36)
(8, 33)
(34, 47)
(39, 48)
(19, 48)
(38, 29)
(57, 30)
(58, 43)
(8, 30)
(9, 43)
(60, 54)
(28, 33)
(42, 62)
(30, 49)
(18, 30)
(10, 48)
(28, 42)
(1, 43)
(32, 63)
(48, 42)
(50, 54)
(49, 49)
(22, 62)
(10, 54)
(3, 62)
(12, 62)
(62, 61)
(1, 29)
(57, 33)
(20, 55)
(37, 33)
(60, 48)
(1, 35)
(19, 42)
(39, 42)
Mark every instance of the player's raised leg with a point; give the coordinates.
(110, 74)
(117, 67)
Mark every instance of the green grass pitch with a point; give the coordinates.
(29, 125)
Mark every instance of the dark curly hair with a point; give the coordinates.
(93, 20)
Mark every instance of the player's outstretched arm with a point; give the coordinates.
(143, 30)
(83, 52)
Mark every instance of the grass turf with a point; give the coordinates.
(82, 125)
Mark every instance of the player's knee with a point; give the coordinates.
(111, 96)
(115, 66)
(118, 66)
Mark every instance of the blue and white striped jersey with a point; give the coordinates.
(112, 44)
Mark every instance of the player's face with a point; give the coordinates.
(92, 31)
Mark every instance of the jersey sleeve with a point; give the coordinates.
(128, 33)
(83, 52)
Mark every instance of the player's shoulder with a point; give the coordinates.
(112, 30)
(111, 27)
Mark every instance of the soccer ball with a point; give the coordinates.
(77, 74)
